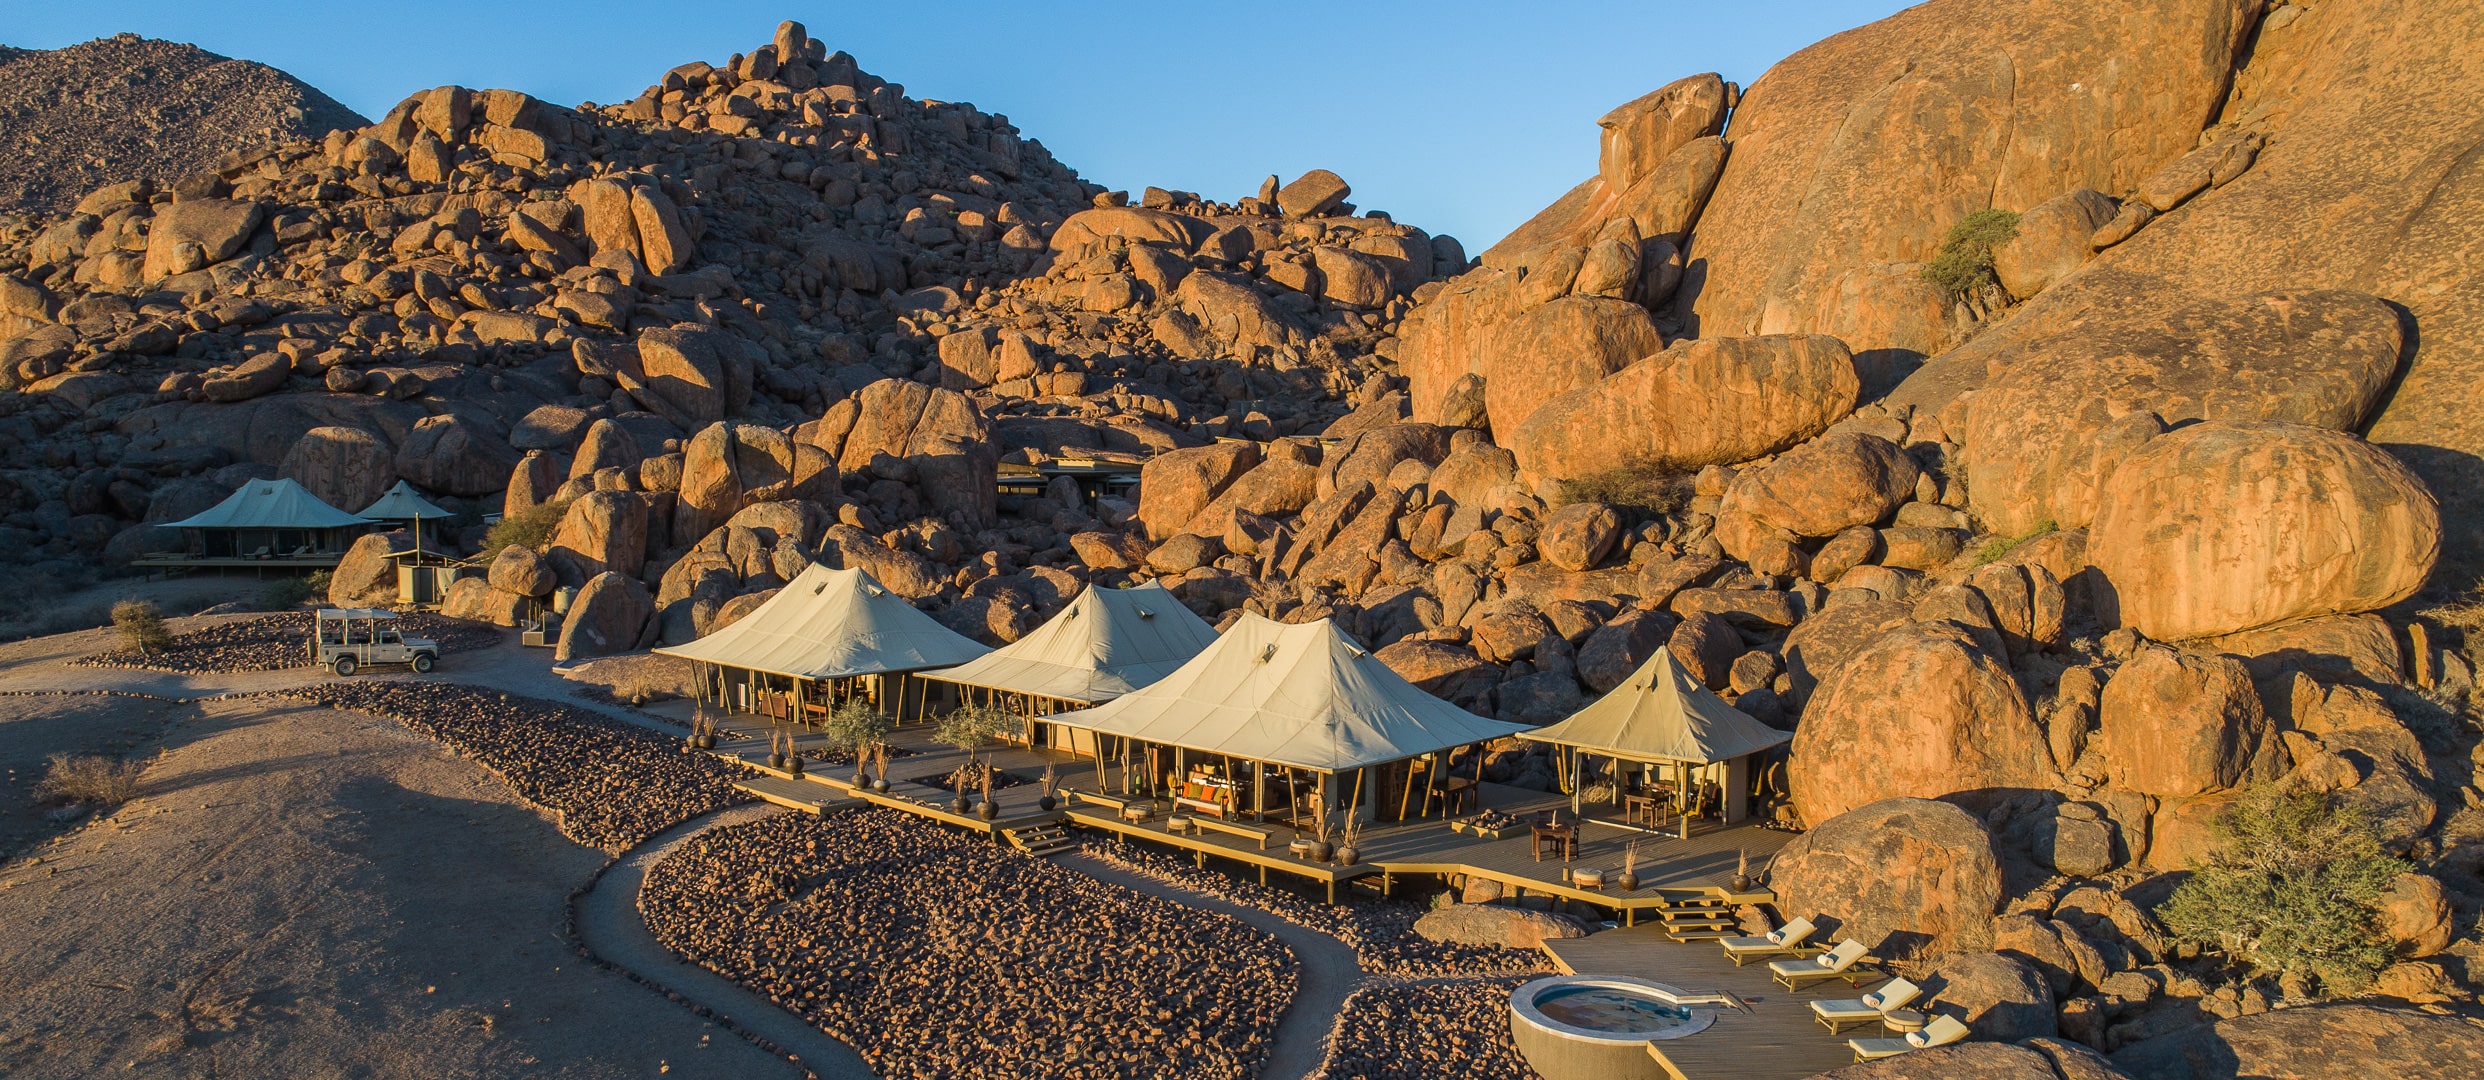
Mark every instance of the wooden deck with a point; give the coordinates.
(1776, 1039)
(1671, 869)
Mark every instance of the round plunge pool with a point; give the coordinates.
(1598, 1027)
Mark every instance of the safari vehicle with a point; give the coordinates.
(352, 638)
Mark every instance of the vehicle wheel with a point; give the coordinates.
(345, 665)
(422, 663)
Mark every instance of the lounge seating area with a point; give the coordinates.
(1942, 1031)
(1871, 1008)
(1790, 940)
(1837, 963)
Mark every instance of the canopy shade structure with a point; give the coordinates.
(1662, 714)
(1106, 643)
(270, 504)
(402, 504)
(832, 624)
(1301, 696)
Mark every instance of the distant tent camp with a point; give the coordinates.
(401, 503)
(827, 625)
(1662, 715)
(271, 519)
(1106, 643)
(1297, 697)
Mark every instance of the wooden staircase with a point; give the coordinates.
(1699, 920)
(1039, 840)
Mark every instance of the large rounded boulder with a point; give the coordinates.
(2050, 426)
(2223, 527)
(1705, 402)
(1826, 486)
(1923, 711)
(1895, 874)
(2178, 724)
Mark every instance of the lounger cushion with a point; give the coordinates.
(1845, 1007)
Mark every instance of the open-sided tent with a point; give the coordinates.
(271, 519)
(422, 578)
(1106, 643)
(827, 626)
(1302, 697)
(1663, 716)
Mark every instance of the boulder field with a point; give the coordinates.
(2041, 568)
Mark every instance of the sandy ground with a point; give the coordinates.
(302, 892)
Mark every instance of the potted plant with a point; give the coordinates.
(698, 723)
(1320, 847)
(1742, 870)
(1046, 797)
(987, 809)
(879, 760)
(776, 749)
(1349, 842)
(957, 781)
(1628, 881)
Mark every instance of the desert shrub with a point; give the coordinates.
(2002, 545)
(855, 725)
(85, 778)
(2294, 886)
(141, 624)
(532, 527)
(1964, 263)
(1652, 489)
(290, 592)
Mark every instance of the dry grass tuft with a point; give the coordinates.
(89, 779)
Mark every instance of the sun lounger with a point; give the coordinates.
(1942, 1031)
(1837, 963)
(1787, 940)
(1842, 1013)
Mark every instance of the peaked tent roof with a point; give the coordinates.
(400, 503)
(1662, 714)
(270, 504)
(1304, 696)
(1106, 643)
(831, 624)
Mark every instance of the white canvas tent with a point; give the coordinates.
(831, 624)
(402, 503)
(1106, 643)
(1663, 715)
(1302, 696)
(271, 519)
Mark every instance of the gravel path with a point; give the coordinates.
(608, 923)
(1327, 975)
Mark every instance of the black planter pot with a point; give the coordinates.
(1046, 803)
(958, 805)
(880, 786)
(861, 780)
(794, 765)
(1347, 856)
(1627, 883)
(1320, 851)
(1742, 883)
(707, 742)
(986, 811)
(691, 740)
(776, 761)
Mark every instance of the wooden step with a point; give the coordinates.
(1041, 839)
(1679, 934)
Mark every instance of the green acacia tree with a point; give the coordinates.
(2295, 885)
(1963, 265)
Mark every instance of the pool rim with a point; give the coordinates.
(1522, 1006)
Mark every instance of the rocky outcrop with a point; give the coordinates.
(1712, 401)
(2055, 418)
(2316, 1042)
(1923, 711)
(1862, 151)
(1998, 997)
(2224, 527)
(612, 614)
(1495, 926)
(2176, 724)
(1896, 874)
(348, 468)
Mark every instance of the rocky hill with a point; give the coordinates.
(2051, 414)
(125, 107)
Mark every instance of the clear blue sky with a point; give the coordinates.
(1458, 117)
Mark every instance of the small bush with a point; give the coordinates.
(1653, 489)
(2002, 545)
(95, 781)
(856, 725)
(286, 593)
(2295, 886)
(141, 624)
(1963, 266)
(532, 528)
(968, 726)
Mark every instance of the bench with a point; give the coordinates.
(1113, 802)
(1221, 825)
